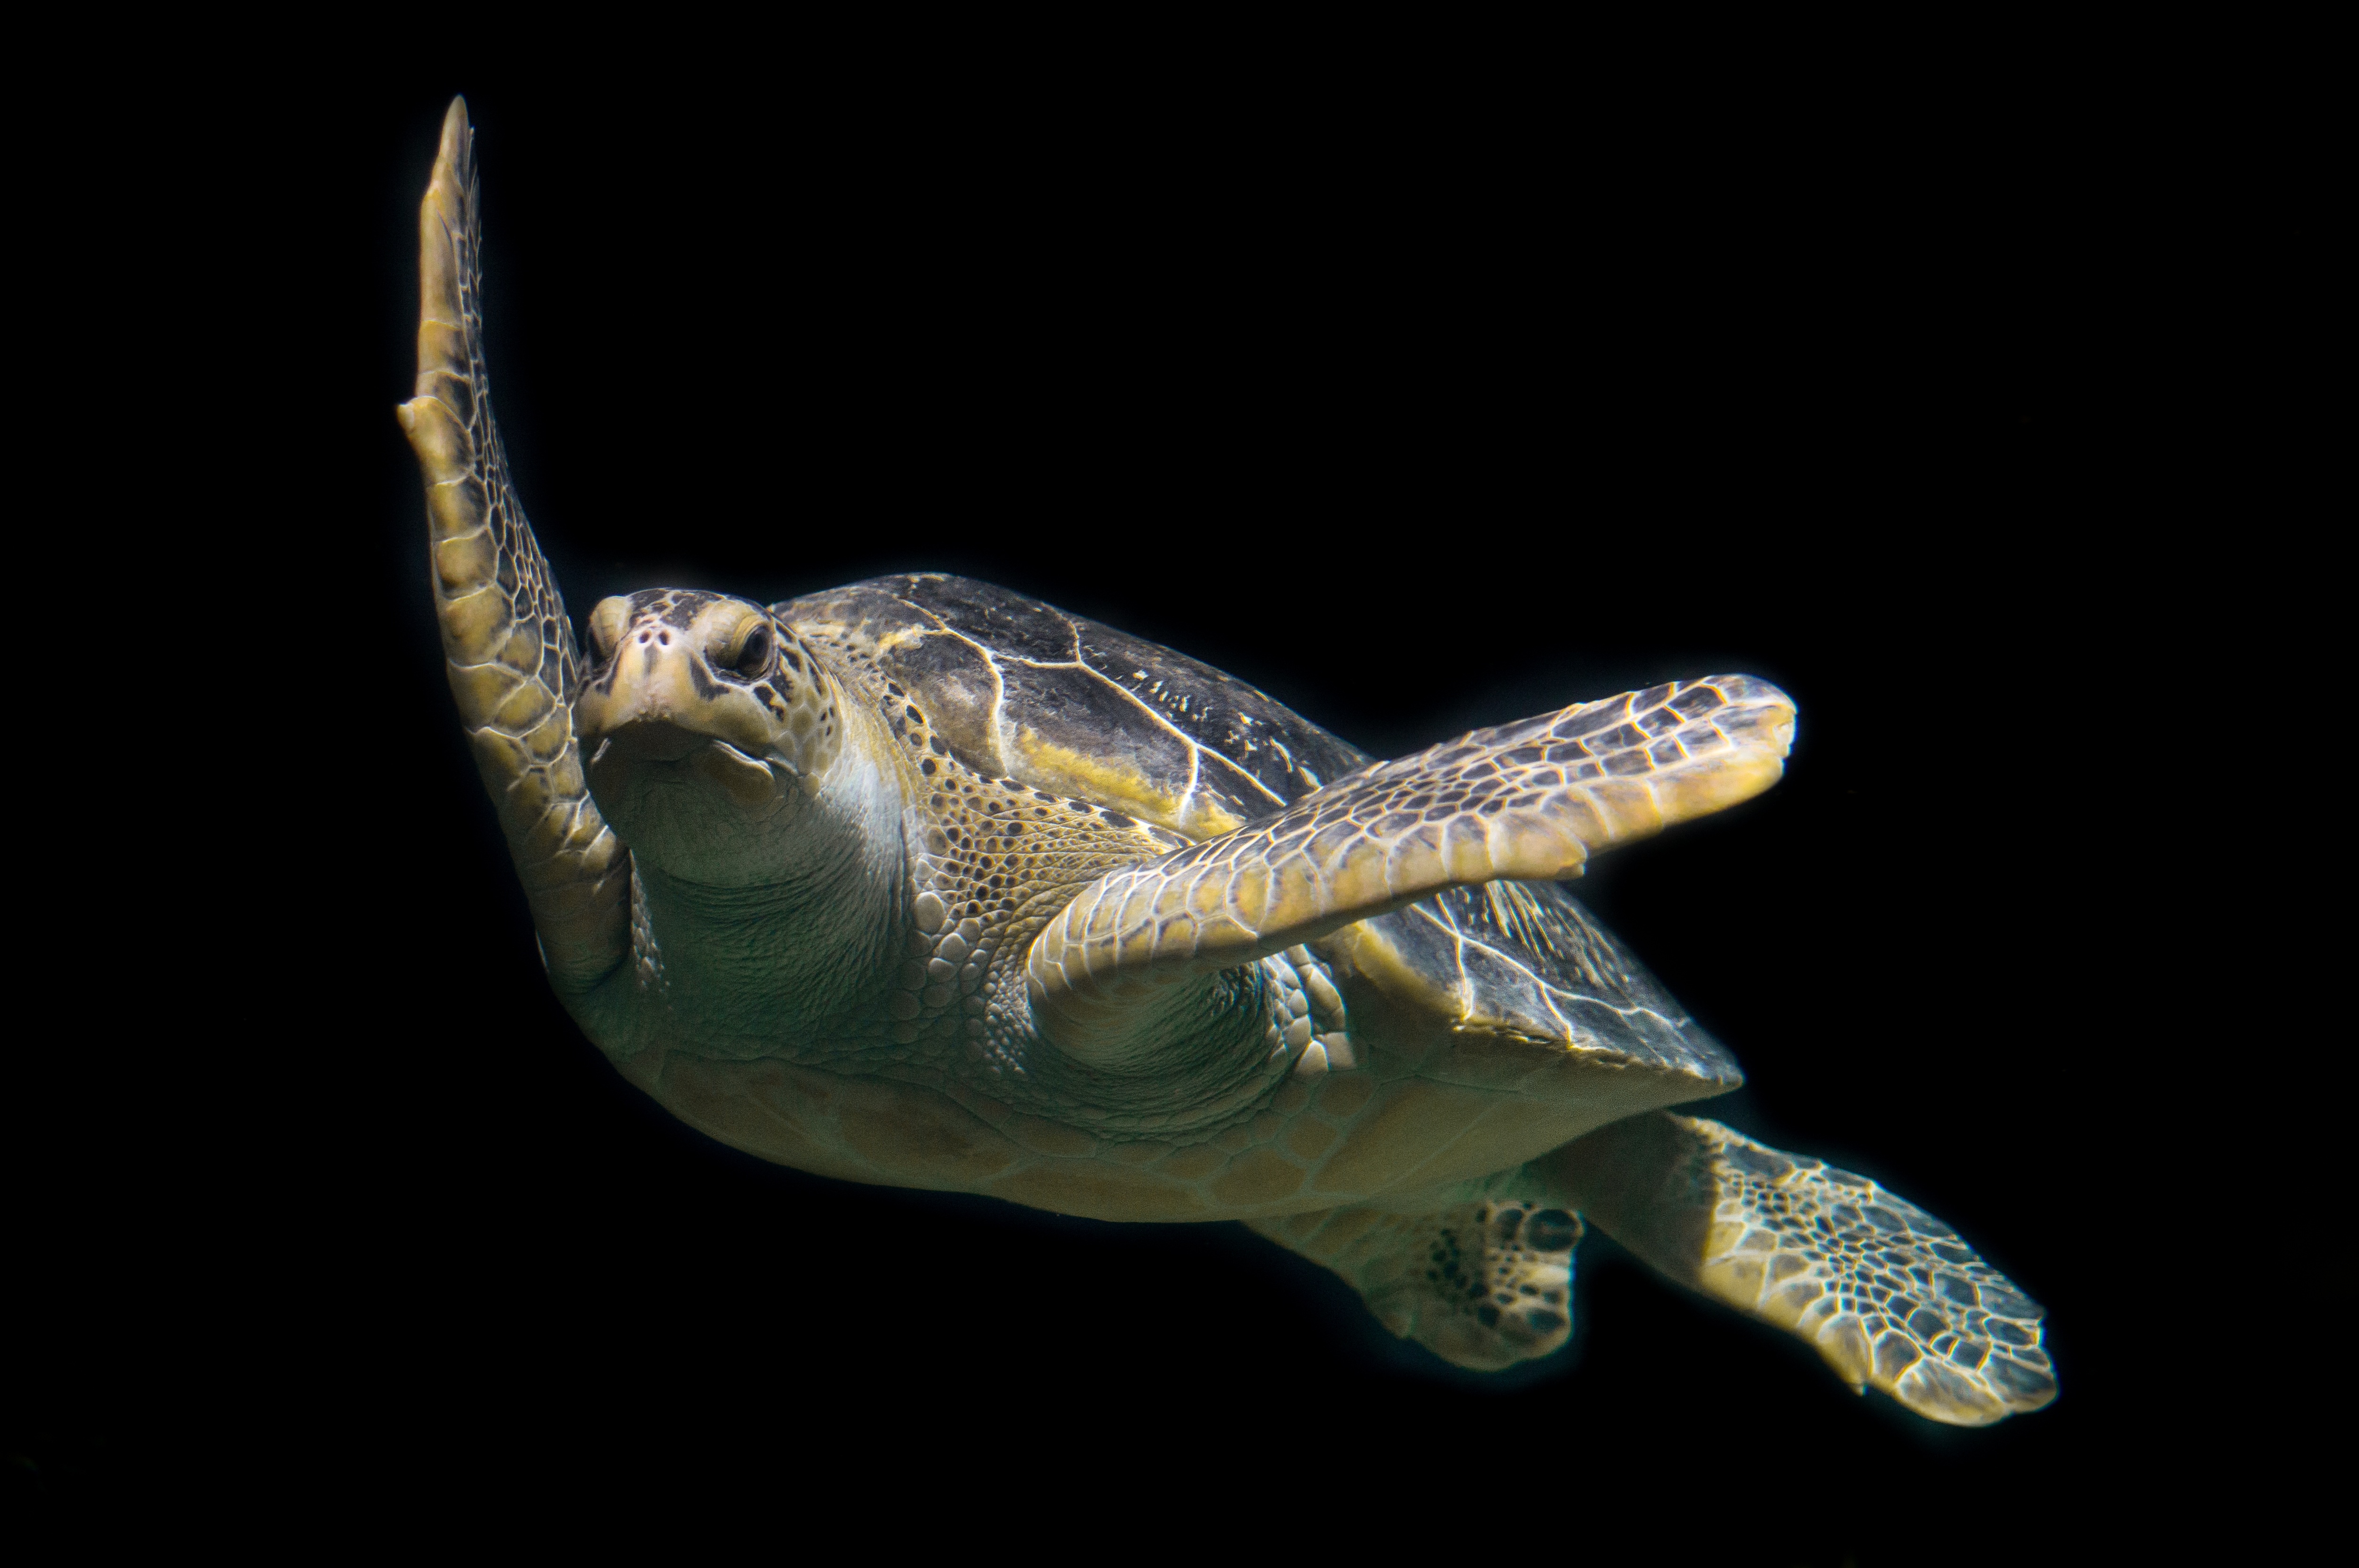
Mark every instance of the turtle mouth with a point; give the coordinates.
(652, 740)
(752, 783)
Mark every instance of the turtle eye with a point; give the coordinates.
(754, 656)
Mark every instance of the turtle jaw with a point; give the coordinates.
(646, 740)
(712, 733)
(672, 668)
(694, 804)
(658, 689)
(757, 786)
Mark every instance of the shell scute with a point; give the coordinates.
(1061, 703)
(1057, 706)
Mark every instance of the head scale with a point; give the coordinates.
(706, 721)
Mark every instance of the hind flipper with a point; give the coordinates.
(1483, 1286)
(1886, 1292)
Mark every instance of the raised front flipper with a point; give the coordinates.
(1532, 800)
(512, 659)
(1887, 1294)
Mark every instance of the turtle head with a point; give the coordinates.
(708, 726)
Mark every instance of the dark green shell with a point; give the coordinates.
(1021, 690)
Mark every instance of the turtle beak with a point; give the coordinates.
(756, 786)
(658, 705)
(659, 691)
(649, 739)
(652, 681)
(688, 688)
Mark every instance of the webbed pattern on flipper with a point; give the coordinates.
(1887, 1294)
(511, 658)
(1483, 1286)
(1533, 798)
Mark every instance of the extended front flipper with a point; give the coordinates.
(510, 649)
(1888, 1294)
(1532, 800)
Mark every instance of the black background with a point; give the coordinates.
(1418, 415)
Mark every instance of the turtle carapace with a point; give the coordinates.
(921, 882)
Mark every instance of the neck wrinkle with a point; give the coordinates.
(779, 967)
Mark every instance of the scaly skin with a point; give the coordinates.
(780, 896)
(1529, 800)
(508, 648)
(831, 966)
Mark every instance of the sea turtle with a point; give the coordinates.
(921, 882)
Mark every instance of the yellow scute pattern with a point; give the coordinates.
(1108, 782)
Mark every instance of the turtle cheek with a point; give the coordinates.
(803, 732)
(752, 786)
(740, 718)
